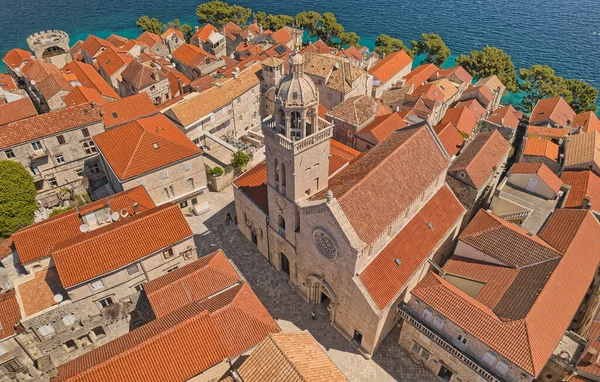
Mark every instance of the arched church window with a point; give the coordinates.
(276, 164)
(281, 222)
(296, 120)
(282, 116)
(309, 122)
(283, 179)
(427, 314)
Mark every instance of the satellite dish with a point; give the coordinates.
(124, 212)
(114, 216)
(58, 298)
(84, 228)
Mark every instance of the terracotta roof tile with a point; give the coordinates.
(10, 314)
(15, 57)
(37, 294)
(193, 282)
(539, 169)
(506, 116)
(462, 117)
(38, 70)
(355, 110)
(47, 124)
(140, 76)
(505, 242)
(150, 39)
(93, 44)
(290, 357)
(474, 106)
(7, 82)
(546, 132)
(191, 55)
(89, 77)
(282, 36)
(420, 74)
(486, 96)
(38, 240)
(541, 148)
(583, 148)
(112, 61)
(361, 187)
(169, 31)
(587, 122)
(429, 91)
(383, 277)
(317, 47)
(204, 32)
(458, 72)
(381, 128)
(144, 145)
(340, 156)
(118, 244)
(116, 40)
(481, 157)
(450, 137)
(338, 72)
(448, 88)
(231, 30)
(492, 83)
(583, 184)
(53, 85)
(17, 110)
(555, 109)
(127, 109)
(81, 95)
(591, 367)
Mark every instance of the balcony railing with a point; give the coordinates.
(270, 132)
(404, 313)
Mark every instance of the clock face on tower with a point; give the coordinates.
(280, 202)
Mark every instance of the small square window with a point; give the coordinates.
(61, 139)
(70, 346)
(97, 285)
(139, 287)
(99, 332)
(167, 253)
(36, 145)
(12, 366)
(133, 269)
(106, 302)
(53, 182)
(46, 330)
(164, 174)
(85, 132)
(9, 153)
(79, 172)
(183, 204)
(94, 168)
(68, 320)
(59, 159)
(194, 201)
(171, 269)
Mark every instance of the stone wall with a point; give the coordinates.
(251, 219)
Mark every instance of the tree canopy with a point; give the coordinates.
(349, 39)
(219, 13)
(540, 81)
(17, 197)
(584, 96)
(328, 28)
(490, 61)
(239, 160)
(309, 21)
(273, 22)
(385, 44)
(433, 47)
(151, 25)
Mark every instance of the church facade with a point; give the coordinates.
(353, 232)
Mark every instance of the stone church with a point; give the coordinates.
(354, 232)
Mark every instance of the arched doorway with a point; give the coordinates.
(321, 294)
(285, 264)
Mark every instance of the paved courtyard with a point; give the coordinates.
(291, 312)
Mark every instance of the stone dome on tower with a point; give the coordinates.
(296, 89)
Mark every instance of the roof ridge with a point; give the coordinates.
(137, 124)
(286, 357)
(529, 350)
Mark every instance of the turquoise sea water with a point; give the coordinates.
(562, 34)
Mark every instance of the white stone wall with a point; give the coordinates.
(251, 219)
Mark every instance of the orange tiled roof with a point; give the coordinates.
(53, 85)
(204, 32)
(290, 357)
(545, 131)
(316, 47)
(541, 148)
(587, 122)
(480, 158)
(81, 95)
(352, 53)
(7, 82)
(383, 277)
(583, 184)
(17, 110)
(37, 294)
(191, 55)
(420, 74)
(555, 109)
(462, 117)
(150, 39)
(127, 109)
(582, 149)
(429, 91)
(541, 170)
(172, 30)
(144, 145)
(38, 240)
(248, 47)
(140, 76)
(193, 282)
(89, 77)
(482, 90)
(282, 36)
(231, 30)
(450, 137)
(355, 110)
(15, 57)
(10, 314)
(506, 116)
(38, 70)
(340, 156)
(361, 187)
(93, 44)
(116, 40)
(46, 124)
(458, 71)
(112, 61)
(118, 244)
(381, 128)
(254, 184)
(474, 106)
(591, 367)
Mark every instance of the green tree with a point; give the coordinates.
(260, 18)
(540, 81)
(433, 47)
(349, 39)
(239, 160)
(584, 95)
(329, 28)
(275, 22)
(219, 13)
(186, 29)
(151, 25)
(385, 44)
(17, 197)
(309, 21)
(490, 61)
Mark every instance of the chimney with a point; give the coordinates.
(586, 203)
(196, 28)
(93, 104)
(502, 121)
(235, 72)
(155, 75)
(589, 356)
(180, 86)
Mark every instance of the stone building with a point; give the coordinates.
(208, 38)
(155, 44)
(379, 130)
(496, 87)
(195, 62)
(173, 38)
(585, 190)
(51, 46)
(481, 94)
(535, 150)
(484, 316)
(153, 152)
(462, 118)
(208, 319)
(389, 72)
(87, 76)
(111, 64)
(92, 47)
(86, 268)
(46, 85)
(351, 116)
(457, 75)
(475, 174)
(343, 249)
(57, 148)
(15, 60)
(582, 152)
(506, 120)
(420, 75)
(337, 79)
(139, 78)
(229, 109)
(127, 110)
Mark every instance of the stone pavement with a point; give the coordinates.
(292, 313)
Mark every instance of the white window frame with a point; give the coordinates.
(97, 285)
(69, 319)
(46, 330)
